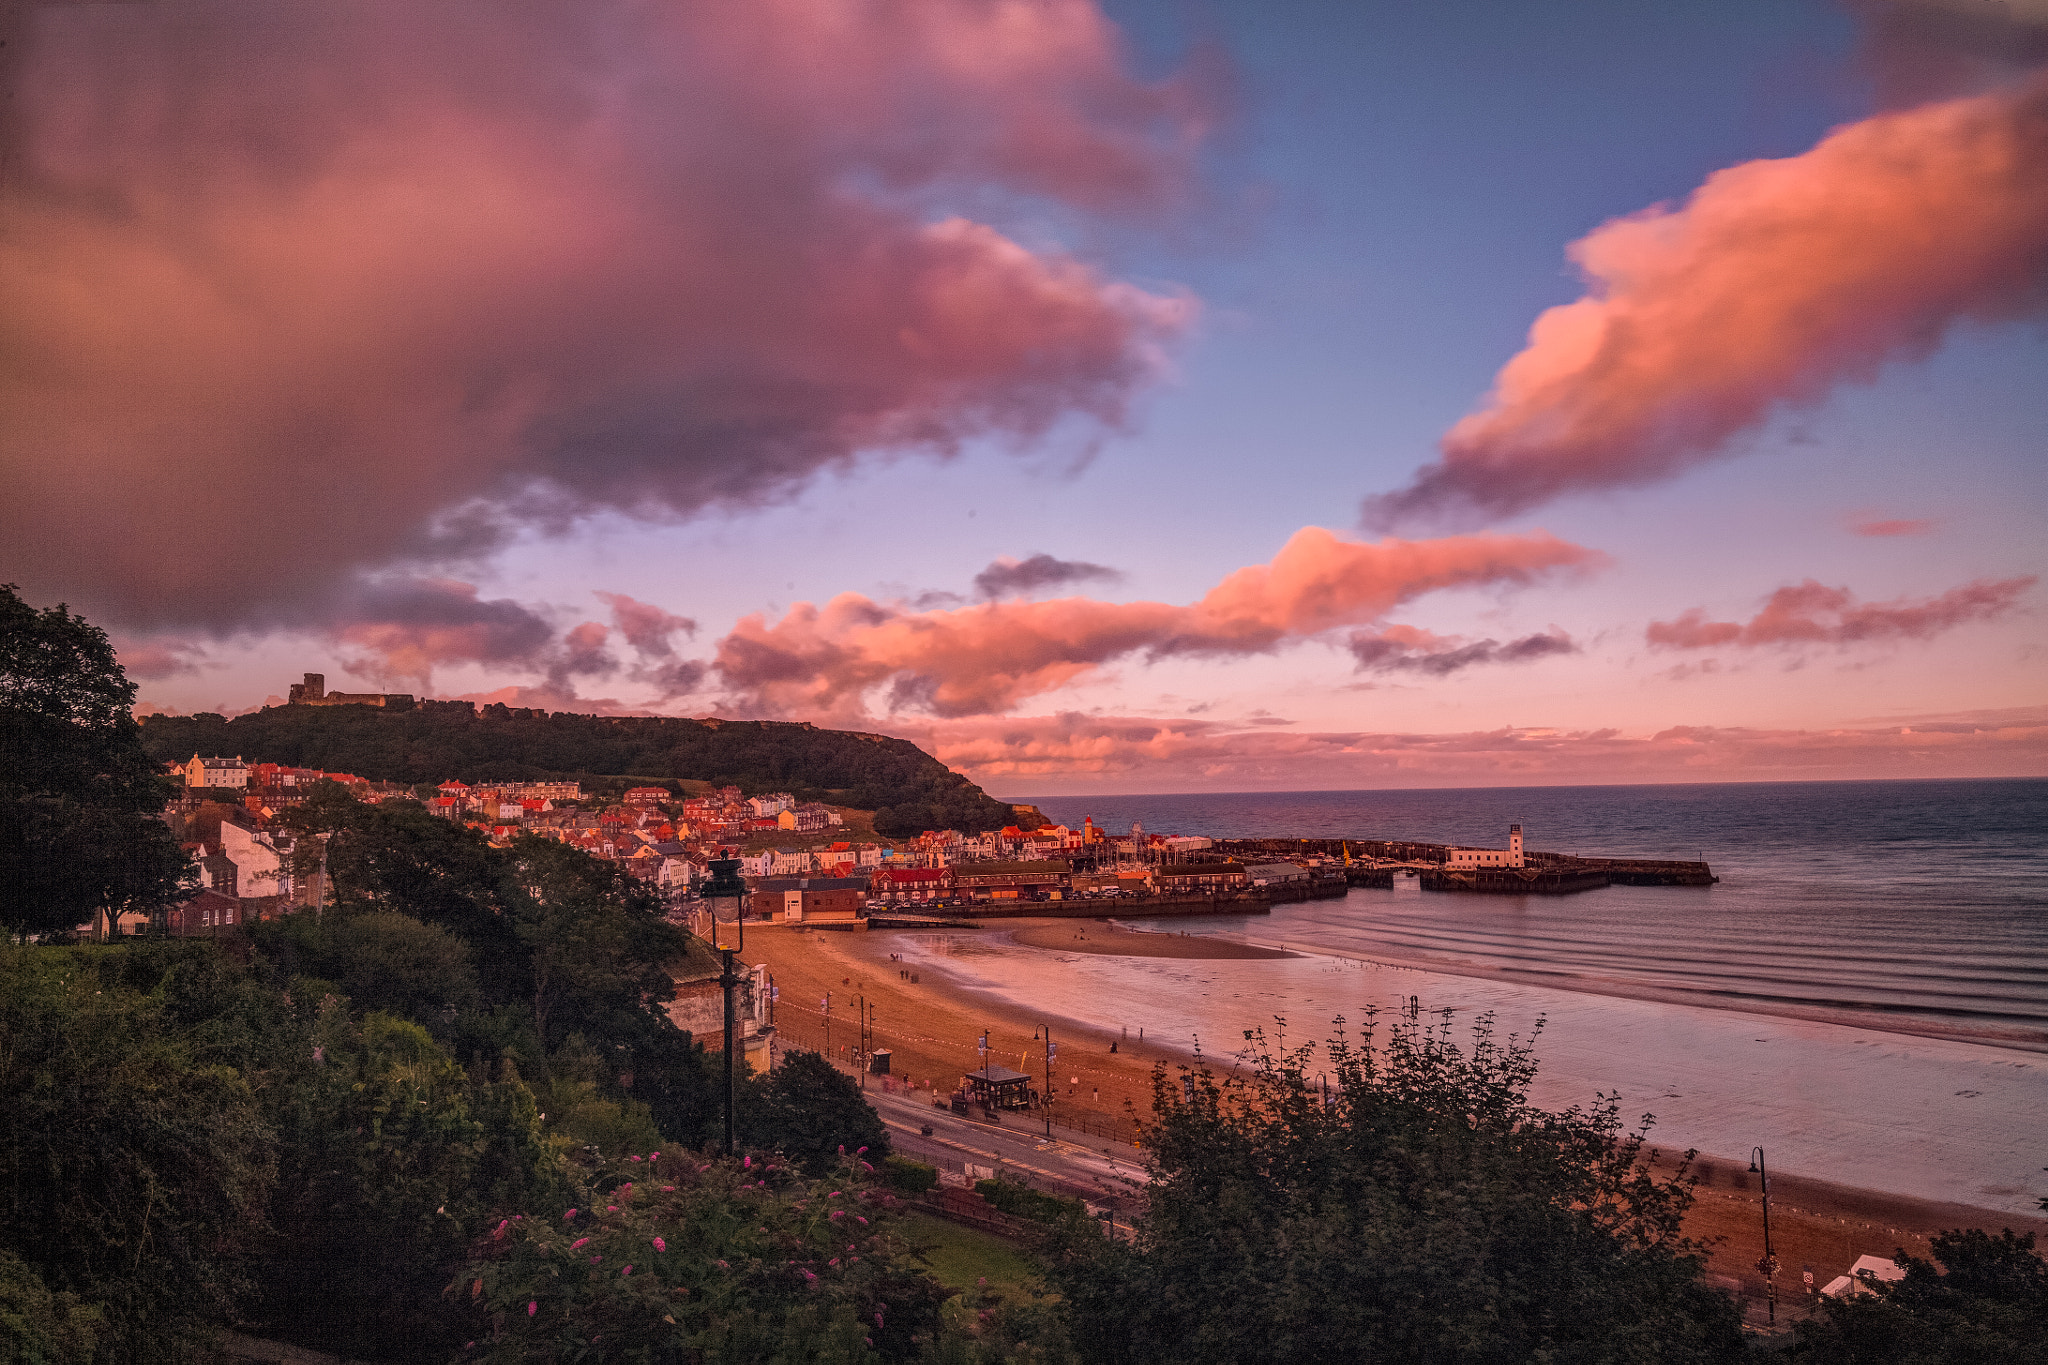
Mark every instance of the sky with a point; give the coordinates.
(1122, 397)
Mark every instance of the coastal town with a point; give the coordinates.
(811, 863)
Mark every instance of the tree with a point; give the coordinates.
(1418, 1209)
(137, 1158)
(810, 1112)
(79, 797)
(390, 1158)
(1986, 1305)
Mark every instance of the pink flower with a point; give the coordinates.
(839, 1213)
(746, 1163)
(570, 1214)
(611, 1208)
(531, 1308)
(668, 1189)
(654, 1156)
(578, 1244)
(595, 1259)
(833, 1195)
(833, 1261)
(862, 1152)
(862, 1221)
(809, 1276)
(660, 1245)
(627, 1271)
(632, 1158)
(723, 1266)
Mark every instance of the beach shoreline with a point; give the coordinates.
(932, 1024)
(1110, 938)
(2018, 1040)
(931, 1021)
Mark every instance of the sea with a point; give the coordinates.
(1923, 901)
(1864, 993)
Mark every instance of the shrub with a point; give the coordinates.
(1021, 1201)
(912, 1177)
(675, 1258)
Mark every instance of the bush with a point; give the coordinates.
(1988, 1305)
(668, 1258)
(807, 1109)
(912, 1177)
(1021, 1201)
(1417, 1209)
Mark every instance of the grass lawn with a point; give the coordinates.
(958, 1256)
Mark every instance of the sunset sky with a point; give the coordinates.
(1125, 397)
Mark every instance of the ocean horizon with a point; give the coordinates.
(1865, 991)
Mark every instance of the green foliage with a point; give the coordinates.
(561, 944)
(734, 1261)
(79, 795)
(810, 1112)
(38, 1327)
(912, 1177)
(1987, 1304)
(907, 788)
(1420, 1210)
(138, 1158)
(380, 960)
(1021, 1201)
(390, 1159)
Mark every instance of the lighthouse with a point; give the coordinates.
(1514, 845)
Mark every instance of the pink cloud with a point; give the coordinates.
(1043, 754)
(1404, 649)
(1813, 613)
(1775, 282)
(1918, 526)
(991, 656)
(374, 285)
(153, 660)
(399, 632)
(647, 628)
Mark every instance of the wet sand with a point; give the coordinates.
(932, 1025)
(1089, 936)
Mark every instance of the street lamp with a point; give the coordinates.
(1769, 1264)
(1052, 1051)
(727, 896)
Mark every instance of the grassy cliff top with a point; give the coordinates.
(908, 789)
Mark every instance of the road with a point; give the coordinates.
(1101, 1172)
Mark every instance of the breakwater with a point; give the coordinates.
(1543, 873)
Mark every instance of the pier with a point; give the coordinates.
(1374, 863)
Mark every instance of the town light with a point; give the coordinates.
(727, 896)
(1767, 1265)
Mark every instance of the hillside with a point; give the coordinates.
(908, 789)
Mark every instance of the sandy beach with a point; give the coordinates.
(931, 1017)
(1113, 940)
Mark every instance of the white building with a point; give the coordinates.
(259, 871)
(216, 772)
(1467, 859)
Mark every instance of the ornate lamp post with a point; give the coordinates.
(727, 896)
(1768, 1266)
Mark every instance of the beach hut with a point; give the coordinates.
(998, 1087)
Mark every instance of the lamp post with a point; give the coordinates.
(1769, 1264)
(860, 1045)
(1052, 1050)
(727, 896)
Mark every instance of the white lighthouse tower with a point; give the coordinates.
(1514, 845)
